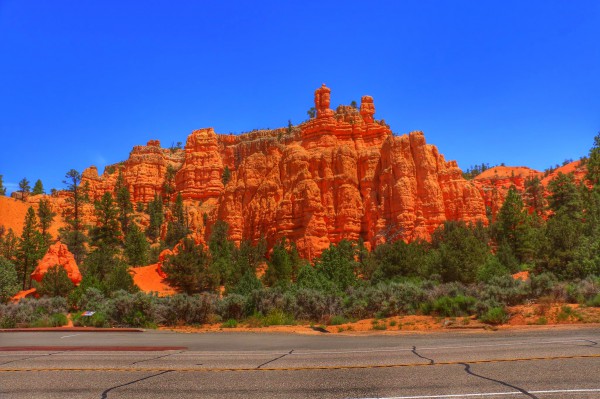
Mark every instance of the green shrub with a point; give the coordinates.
(459, 305)
(98, 319)
(594, 302)
(337, 320)
(278, 318)
(496, 315)
(231, 323)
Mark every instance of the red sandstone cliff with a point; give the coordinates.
(493, 184)
(340, 175)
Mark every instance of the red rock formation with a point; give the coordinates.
(58, 254)
(579, 171)
(200, 177)
(341, 175)
(144, 172)
(494, 183)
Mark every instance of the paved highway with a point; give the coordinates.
(549, 363)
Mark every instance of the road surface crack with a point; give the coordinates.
(277, 358)
(506, 384)
(105, 393)
(414, 351)
(157, 357)
(30, 357)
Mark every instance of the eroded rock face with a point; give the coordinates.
(58, 254)
(340, 175)
(495, 182)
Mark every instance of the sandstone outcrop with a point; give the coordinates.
(494, 183)
(58, 254)
(340, 175)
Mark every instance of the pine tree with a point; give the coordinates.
(178, 227)
(73, 235)
(533, 197)
(106, 232)
(226, 176)
(24, 188)
(9, 244)
(593, 162)
(123, 202)
(513, 228)
(190, 270)
(169, 184)
(29, 250)
(46, 217)
(9, 283)
(222, 254)
(2, 188)
(136, 246)
(55, 282)
(157, 218)
(38, 188)
(279, 271)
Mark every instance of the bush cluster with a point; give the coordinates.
(287, 305)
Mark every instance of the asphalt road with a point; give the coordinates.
(549, 363)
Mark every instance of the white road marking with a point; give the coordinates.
(72, 335)
(480, 395)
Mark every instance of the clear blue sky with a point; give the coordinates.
(82, 82)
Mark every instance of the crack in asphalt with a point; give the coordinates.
(157, 357)
(506, 384)
(31, 357)
(105, 393)
(414, 351)
(277, 358)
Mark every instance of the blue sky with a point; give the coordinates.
(82, 82)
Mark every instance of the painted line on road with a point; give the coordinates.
(479, 395)
(307, 368)
(69, 336)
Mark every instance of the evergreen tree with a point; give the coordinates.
(9, 244)
(514, 230)
(338, 265)
(177, 228)
(401, 259)
(157, 217)
(222, 254)
(533, 196)
(226, 176)
(46, 217)
(190, 269)
(2, 188)
(120, 279)
(279, 270)
(55, 282)
(459, 254)
(593, 162)
(73, 235)
(565, 227)
(106, 232)
(9, 283)
(169, 184)
(29, 250)
(136, 246)
(38, 188)
(24, 188)
(123, 201)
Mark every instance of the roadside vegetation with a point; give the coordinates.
(465, 270)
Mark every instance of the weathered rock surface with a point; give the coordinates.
(494, 183)
(340, 175)
(58, 254)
